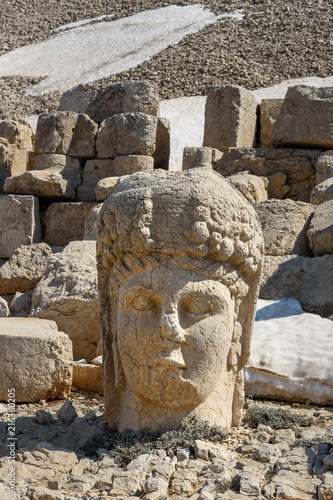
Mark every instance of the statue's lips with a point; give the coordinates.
(172, 359)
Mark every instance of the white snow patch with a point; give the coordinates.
(291, 354)
(187, 116)
(64, 27)
(86, 53)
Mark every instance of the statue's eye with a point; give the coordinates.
(197, 306)
(143, 303)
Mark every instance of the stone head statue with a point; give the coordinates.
(179, 264)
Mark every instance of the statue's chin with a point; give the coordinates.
(170, 390)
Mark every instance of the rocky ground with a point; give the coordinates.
(275, 41)
(280, 452)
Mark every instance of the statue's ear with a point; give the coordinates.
(119, 375)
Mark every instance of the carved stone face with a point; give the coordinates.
(174, 333)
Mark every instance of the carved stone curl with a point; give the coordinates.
(179, 264)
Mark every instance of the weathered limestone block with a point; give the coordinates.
(88, 377)
(24, 268)
(291, 354)
(90, 227)
(127, 134)
(17, 133)
(106, 186)
(288, 484)
(269, 111)
(13, 161)
(83, 143)
(19, 223)
(173, 247)
(230, 118)
(309, 280)
(305, 119)
(93, 171)
(254, 188)
(54, 132)
(4, 309)
(322, 192)
(285, 224)
(298, 166)
(194, 157)
(65, 222)
(103, 101)
(55, 176)
(43, 369)
(324, 167)
(162, 150)
(129, 164)
(67, 294)
(320, 232)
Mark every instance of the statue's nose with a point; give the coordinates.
(170, 327)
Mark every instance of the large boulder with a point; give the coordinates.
(35, 360)
(305, 119)
(100, 102)
(230, 118)
(285, 224)
(55, 176)
(67, 294)
(320, 232)
(24, 269)
(290, 172)
(64, 222)
(291, 354)
(19, 223)
(127, 134)
(309, 280)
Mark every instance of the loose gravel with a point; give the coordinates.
(275, 41)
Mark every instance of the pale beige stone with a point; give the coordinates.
(162, 150)
(65, 222)
(254, 188)
(309, 280)
(129, 164)
(93, 171)
(173, 271)
(13, 161)
(106, 186)
(194, 157)
(230, 118)
(55, 176)
(17, 133)
(88, 377)
(324, 167)
(24, 268)
(4, 309)
(269, 111)
(90, 226)
(54, 132)
(127, 134)
(83, 143)
(299, 167)
(19, 223)
(289, 485)
(67, 294)
(20, 305)
(320, 232)
(305, 119)
(325, 490)
(104, 100)
(43, 370)
(323, 192)
(285, 224)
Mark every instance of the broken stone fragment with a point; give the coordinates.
(90, 226)
(67, 293)
(17, 133)
(320, 232)
(323, 192)
(162, 151)
(106, 186)
(305, 119)
(127, 134)
(254, 188)
(194, 157)
(269, 111)
(285, 224)
(46, 372)
(19, 223)
(230, 118)
(324, 167)
(88, 377)
(24, 268)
